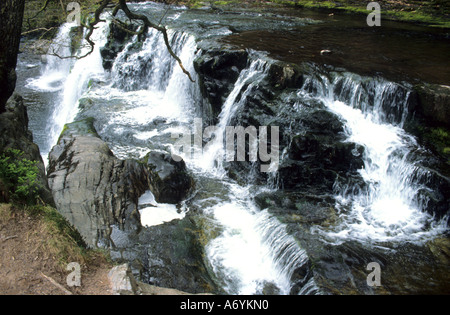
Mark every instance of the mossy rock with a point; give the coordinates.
(83, 127)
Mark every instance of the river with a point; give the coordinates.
(145, 102)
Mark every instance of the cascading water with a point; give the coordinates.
(212, 157)
(389, 208)
(254, 251)
(146, 99)
(152, 90)
(68, 77)
(272, 256)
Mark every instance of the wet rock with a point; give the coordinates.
(169, 255)
(93, 189)
(117, 38)
(436, 194)
(294, 207)
(218, 70)
(433, 103)
(319, 156)
(282, 75)
(169, 180)
(270, 288)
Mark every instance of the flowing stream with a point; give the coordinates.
(146, 99)
(389, 208)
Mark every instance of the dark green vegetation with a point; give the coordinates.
(19, 175)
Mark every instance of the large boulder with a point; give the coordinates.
(92, 188)
(99, 194)
(169, 179)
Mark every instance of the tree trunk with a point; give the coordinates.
(11, 16)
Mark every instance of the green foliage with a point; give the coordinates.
(20, 176)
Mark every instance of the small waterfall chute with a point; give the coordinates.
(388, 208)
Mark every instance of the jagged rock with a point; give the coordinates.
(117, 39)
(92, 188)
(218, 70)
(14, 134)
(169, 180)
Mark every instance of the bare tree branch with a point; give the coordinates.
(162, 29)
(122, 5)
(38, 30)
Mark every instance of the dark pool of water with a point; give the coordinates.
(398, 51)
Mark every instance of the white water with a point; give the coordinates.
(56, 69)
(253, 248)
(154, 213)
(389, 209)
(212, 156)
(69, 78)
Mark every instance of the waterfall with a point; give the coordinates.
(213, 155)
(69, 77)
(254, 251)
(152, 99)
(55, 70)
(389, 208)
(260, 233)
